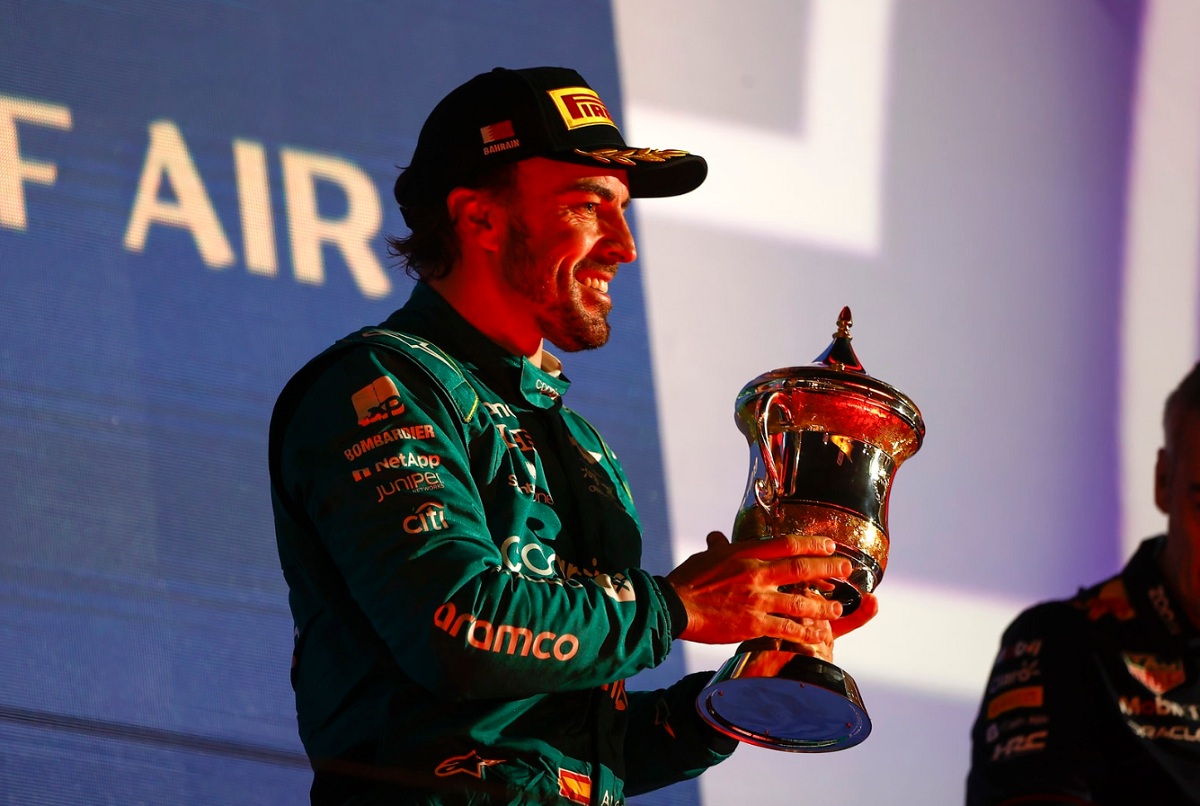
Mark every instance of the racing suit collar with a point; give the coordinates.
(429, 315)
(1149, 592)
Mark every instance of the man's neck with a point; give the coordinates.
(1182, 575)
(492, 311)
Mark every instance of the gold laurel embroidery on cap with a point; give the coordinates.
(630, 156)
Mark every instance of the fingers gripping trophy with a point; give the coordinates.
(825, 442)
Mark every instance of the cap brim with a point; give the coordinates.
(649, 179)
(658, 179)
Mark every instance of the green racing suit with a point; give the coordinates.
(462, 555)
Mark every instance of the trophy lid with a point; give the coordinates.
(840, 353)
(838, 373)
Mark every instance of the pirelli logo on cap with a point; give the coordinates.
(580, 106)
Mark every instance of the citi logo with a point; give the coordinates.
(429, 517)
(376, 402)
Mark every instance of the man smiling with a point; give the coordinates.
(462, 550)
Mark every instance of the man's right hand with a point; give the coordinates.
(731, 590)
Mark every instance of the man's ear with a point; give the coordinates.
(476, 216)
(1162, 480)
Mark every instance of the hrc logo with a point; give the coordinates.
(580, 106)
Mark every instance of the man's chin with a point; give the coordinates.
(578, 345)
(580, 334)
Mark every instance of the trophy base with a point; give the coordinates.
(785, 701)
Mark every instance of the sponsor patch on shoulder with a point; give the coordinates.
(377, 401)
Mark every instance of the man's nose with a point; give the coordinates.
(618, 244)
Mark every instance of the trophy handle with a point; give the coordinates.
(766, 490)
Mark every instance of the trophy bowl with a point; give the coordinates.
(825, 442)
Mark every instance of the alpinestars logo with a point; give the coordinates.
(470, 764)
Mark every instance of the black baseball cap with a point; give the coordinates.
(504, 116)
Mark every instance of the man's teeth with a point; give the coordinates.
(596, 283)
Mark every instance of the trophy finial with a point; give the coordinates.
(844, 323)
(839, 354)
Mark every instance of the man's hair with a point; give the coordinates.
(431, 248)
(1185, 398)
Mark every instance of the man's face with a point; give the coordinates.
(1177, 487)
(566, 236)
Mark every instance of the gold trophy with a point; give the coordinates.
(825, 442)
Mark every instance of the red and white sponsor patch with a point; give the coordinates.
(574, 786)
(378, 401)
(497, 132)
(1157, 675)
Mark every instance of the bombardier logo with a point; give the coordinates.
(378, 401)
(368, 444)
(580, 106)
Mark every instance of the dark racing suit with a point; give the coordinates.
(462, 556)
(1094, 700)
